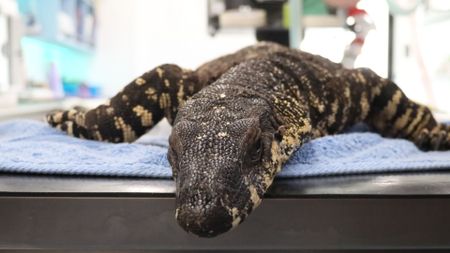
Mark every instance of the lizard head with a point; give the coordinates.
(221, 158)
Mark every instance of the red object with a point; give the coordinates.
(358, 40)
(354, 11)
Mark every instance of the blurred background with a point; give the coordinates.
(61, 53)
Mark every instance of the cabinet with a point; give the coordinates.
(70, 23)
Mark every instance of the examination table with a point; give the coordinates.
(332, 214)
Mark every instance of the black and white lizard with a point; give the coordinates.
(237, 119)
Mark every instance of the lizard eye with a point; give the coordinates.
(255, 149)
(256, 152)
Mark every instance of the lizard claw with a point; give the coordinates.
(55, 118)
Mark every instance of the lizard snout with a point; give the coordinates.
(207, 220)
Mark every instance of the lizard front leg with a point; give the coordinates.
(150, 97)
(134, 110)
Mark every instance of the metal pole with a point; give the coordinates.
(391, 47)
(295, 26)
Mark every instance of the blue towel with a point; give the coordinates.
(33, 147)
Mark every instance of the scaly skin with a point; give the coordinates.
(237, 120)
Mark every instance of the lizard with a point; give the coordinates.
(238, 118)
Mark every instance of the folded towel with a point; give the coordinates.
(33, 147)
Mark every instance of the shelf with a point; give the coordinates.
(36, 108)
(323, 21)
(66, 43)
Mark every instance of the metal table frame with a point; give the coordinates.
(331, 214)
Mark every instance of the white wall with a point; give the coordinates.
(137, 35)
(331, 42)
(422, 58)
